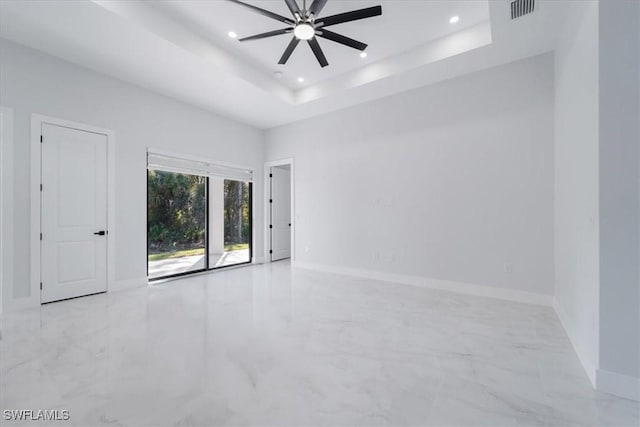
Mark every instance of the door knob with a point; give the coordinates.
(100, 233)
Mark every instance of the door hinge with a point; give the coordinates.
(270, 251)
(40, 236)
(270, 200)
(270, 226)
(40, 285)
(40, 187)
(41, 139)
(270, 175)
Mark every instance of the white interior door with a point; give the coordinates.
(280, 213)
(74, 213)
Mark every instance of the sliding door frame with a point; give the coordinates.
(206, 268)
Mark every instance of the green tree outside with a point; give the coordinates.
(176, 214)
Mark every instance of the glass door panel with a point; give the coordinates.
(176, 223)
(230, 219)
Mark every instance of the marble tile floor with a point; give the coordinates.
(269, 345)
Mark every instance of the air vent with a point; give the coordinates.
(521, 7)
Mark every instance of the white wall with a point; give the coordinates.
(449, 181)
(32, 82)
(576, 180)
(619, 189)
(6, 202)
(597, 202)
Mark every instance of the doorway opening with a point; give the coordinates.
(279, 212)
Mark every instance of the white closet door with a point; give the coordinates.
(74, 213)
(280, 214)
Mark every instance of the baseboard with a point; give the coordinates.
(618, 384)
(429, 283)
(258, 260)
(18, 304)
(123, 285)
(588, 365)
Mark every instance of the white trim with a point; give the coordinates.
(6, 202)
(19, 304)
(207, 168)
(37, 120)
(199, 159)
(267, 194)
(588, 366)
(618, 384)
(429, 283)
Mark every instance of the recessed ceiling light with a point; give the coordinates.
(454, 19)
(301, 79)
(363, 54)
(232, 34)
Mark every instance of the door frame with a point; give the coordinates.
(6, 202)
(37, 120)
(267, 194)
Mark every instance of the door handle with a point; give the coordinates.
(100, 233)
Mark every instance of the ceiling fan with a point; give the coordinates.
(306, 25)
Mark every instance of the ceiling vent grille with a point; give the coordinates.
(521, 7)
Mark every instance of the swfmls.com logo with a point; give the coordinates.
(36, 415)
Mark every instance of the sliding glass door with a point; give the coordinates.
(230, 219)
(196, 223)
(176, 223)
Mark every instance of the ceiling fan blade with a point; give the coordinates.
(268, 34)
(293, 6)
(289, 50)
(265, 12)
(354, 15)
(339, 38)
(317, 6)
(317, 51)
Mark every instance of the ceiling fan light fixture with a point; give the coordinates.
(304, 31)
(304, 24)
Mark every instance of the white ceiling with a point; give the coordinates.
(386, 35)
(181, 49)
